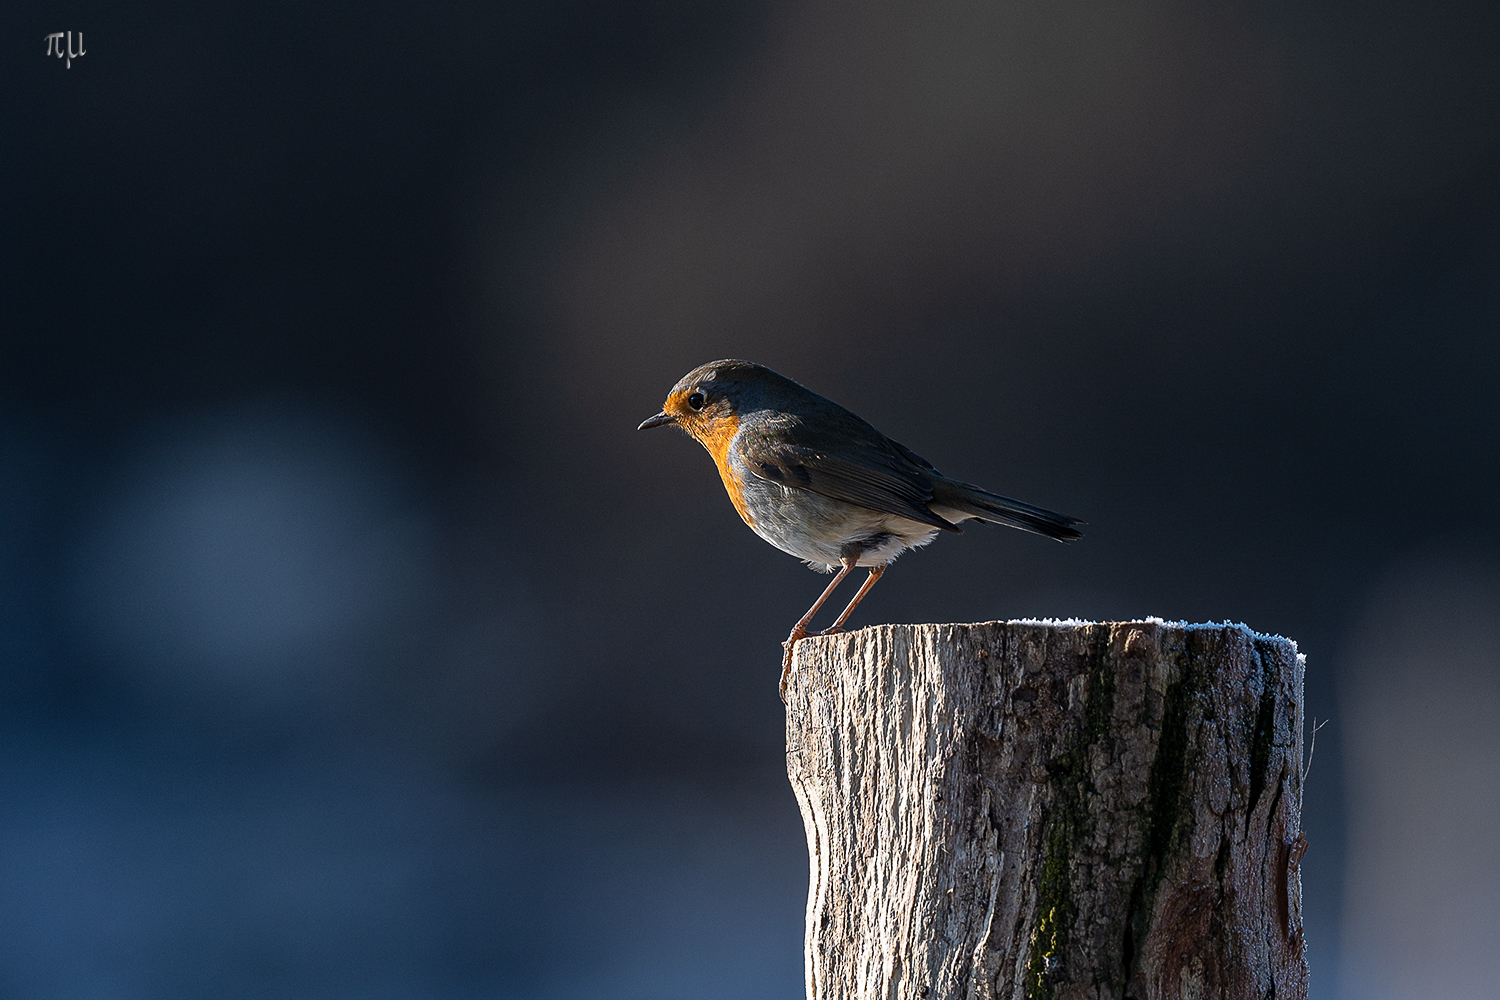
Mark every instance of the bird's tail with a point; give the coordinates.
(957, 501)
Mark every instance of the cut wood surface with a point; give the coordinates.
(1050, 810)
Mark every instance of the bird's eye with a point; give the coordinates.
(696, 400)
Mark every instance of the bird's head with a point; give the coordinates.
(707, 401)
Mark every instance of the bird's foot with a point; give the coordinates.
(828, 631)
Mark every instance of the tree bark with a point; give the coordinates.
(1050, 810)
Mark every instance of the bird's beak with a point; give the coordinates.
(661, 418)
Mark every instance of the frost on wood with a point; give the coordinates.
(1050, 810)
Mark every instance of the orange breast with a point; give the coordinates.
(716, 437)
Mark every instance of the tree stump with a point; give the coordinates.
(1050, 810)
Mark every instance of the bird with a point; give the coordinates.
(821, 484)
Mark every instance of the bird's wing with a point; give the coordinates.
(866, 470)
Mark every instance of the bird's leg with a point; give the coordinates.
(799, 630)
(875, 574)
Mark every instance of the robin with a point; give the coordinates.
(819, 483)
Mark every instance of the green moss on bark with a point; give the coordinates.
(1055, 912)
(1069, 825)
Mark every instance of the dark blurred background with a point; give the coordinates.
(355, 645)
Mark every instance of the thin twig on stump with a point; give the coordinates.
(1050, 810)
